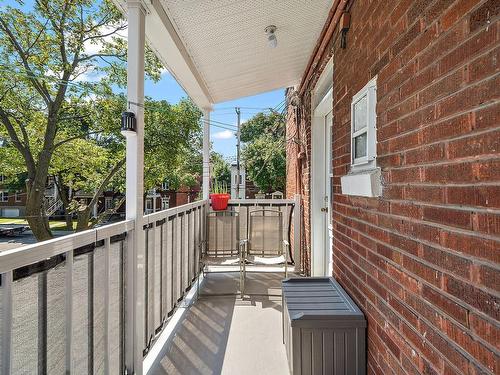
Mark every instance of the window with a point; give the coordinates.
(364, 178)
(18, 196)
(165, 203)
(4, 196)
(363, 127)
(108, 203)
(2, 178)
(164, 185)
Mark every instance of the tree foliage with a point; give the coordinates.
(54, 55)
(93, 163)
(221, 171)
(264, 152)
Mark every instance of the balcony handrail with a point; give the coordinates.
(261, 201)
(37, 252)
(170, 212)
(175, 239)
(40, 251)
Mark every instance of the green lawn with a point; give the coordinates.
(54, 224)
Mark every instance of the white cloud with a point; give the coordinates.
(226, 134)
(91, 47)
(90, 75)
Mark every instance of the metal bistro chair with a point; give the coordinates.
(223, 247)
(265, 245)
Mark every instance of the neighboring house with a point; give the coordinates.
(164, 197)
(12, 203)
(394, 148)
(235, 180)
(156, 199)
(247, 188)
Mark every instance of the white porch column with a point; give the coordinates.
(134, 320)
(206, 152)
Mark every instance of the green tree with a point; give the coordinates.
(221, 171)
(49, 49)
(171, 134)
(264, 152)
(263, 123)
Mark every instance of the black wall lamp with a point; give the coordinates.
(129, 123)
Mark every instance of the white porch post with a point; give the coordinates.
(134, 320)
(206, 152)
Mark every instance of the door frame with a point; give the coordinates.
(321, 105)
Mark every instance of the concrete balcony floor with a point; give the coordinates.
(227, 335)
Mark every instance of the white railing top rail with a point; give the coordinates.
(37, 252)
(33, 253)
(261, 201)
(165, 214)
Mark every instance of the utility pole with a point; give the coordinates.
(238, 173)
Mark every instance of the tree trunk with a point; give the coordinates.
(68, 217)
(84, 213)
(83, 218)
(35, 213)
(64, 195)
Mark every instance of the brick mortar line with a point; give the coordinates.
(439, 121)
(437, 330)
(387, 350)
(475, 261)
(429, 223)
(436, 121)
(415, 276)
(446, 141)
(423, 261)
(421, 298)
(374, 357)
(470, 134)
(461, 208)
(428, 264)
(427, 185)
(438, 79)
(433, 43)
(410, 25)
(412, 328)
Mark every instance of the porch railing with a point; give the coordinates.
(64, 302)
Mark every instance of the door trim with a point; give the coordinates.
(319, 221)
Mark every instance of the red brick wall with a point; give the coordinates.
(423, 260)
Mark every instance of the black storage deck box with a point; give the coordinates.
(324, 332)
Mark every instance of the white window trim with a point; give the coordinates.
(165, 203)
(368, 161)
(364, 177)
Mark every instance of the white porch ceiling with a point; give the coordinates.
(226, 42)
(218, 51)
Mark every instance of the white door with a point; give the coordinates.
(321, 178)
(328, 195)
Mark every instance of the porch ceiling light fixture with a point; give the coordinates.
(271, 36)
(129, 124)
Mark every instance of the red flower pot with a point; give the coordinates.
(219, 201)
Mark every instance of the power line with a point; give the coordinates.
(218, 126)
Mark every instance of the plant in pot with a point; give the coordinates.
(219, 196)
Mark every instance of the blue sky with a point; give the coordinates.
(222, 139)
(168, 89)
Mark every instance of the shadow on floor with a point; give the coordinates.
(223, 334)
